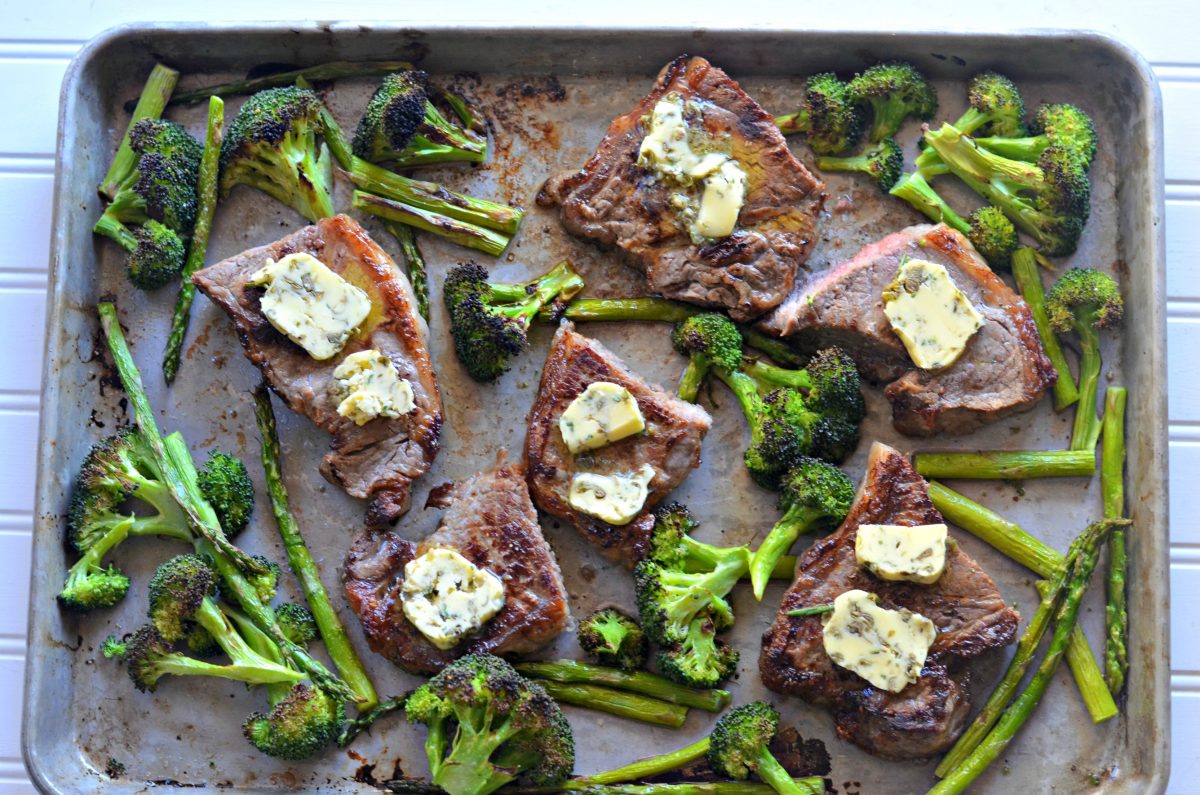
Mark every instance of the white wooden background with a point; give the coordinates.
(38, 38)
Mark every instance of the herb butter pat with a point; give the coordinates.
(368, 387)
(930, 315)
(316, 308)
(615, 499)
(885, 647)
(447, 597)
(892, 552)
(602, 414)
(667, 150)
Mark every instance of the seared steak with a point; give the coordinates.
(964, 604)
(377, 461)
(670, 443)
(1003, 370)
(616, 202)
(490, 522)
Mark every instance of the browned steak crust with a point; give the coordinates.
(671, 442)
(377, 461)
(490, 522)
(1003, 370)
(965, 605)
(616, 202)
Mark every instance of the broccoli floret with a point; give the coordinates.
(707, 339)
(612, 638)
(988, 229)
(297, 623)
(298, 726)
(272, 145)
(681, 586)
(994, 107)
(814, 495)
(488, 725)
(267, 583)
(1048, 200)
(162, 184)
(883, 162)
(148, 657)
(154, 253)
(895, 92)
(1060, 125)
(740, 745)
(488, 332)
(116, 471)
(1085, 301)
(226, 485)
(400, 124)
(827, 117)
(199, 642)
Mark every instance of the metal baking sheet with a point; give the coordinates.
(548, 95)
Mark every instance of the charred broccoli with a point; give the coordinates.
(227, 487)
(740, 745)
(894, 92)
(1054, 125)
(272, 145)
(708, 338)
(814, 494)
(402, 125)
(1085, 301)
(827, 116)
(154, 253)
(883, 162)
(994, 107)
(297, 623)
(612, 638)
(488, 725)
(681, 585)
(488, 331)
(161, 185)
(988, 229)
(299, 725)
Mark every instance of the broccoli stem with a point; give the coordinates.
(792, 123)
(1006, 465)
(691, 380)
(647, 684)
(1018, 545)
(209, 616)
(460, 232)
(812, 785)
(774, 376)
(366, 720)
(116, 231)
(261, 643)
(772, 549)
(916, 190)
(337, 642)
(617, 702)
(416, 264)
(150, 105)
(326, 71)
(1112, 487)
(457, 145)
(200, 514)
(206, 190)
(1029, 282)
(1086, 430)
(770, 771)
(1066, 612)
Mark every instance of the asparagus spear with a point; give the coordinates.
(647, 684)
(814, 610)
(1014, 717)
(333, 634)
(460, 232)
(150, 105)
(416, 264)
(174, 460)
(1005, 465)
(324, 71)
(617, 702)
(644, 768)
(1029, 282)
(206, 189)
(811, 785)
(1018, 545)
(1112, 486)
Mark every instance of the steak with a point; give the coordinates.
(1003, 370)
(964, 604)
(618, 203)
(377, 461)
(490, 521)
(670, 443)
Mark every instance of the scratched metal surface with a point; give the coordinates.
(548, 96)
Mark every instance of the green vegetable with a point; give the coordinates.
(1006, 465)
(402, 125)
(741, 745)
(320, 72)
(706, 339)
(612, 638)
(1112, 487)
(297, 726)
(1029, 282)
(227, 487)
(417, 275)
(883, 162)
(894, 92)
(647, 684)
(616, 702)
(150, 105)
(365, 720)
(827, 116)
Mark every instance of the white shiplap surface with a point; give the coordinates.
(38, 39)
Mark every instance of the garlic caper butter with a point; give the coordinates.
(891, 552)
(602, 414)
(667, 150)
(930, 315)
(447, 597)
(615, 499)
(885, 647)
(367, 386)
(313, 306)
